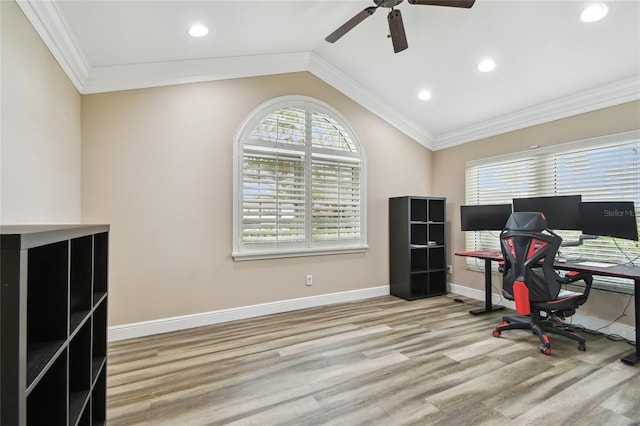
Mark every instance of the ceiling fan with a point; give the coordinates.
(396, 27)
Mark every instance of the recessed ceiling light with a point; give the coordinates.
(425, 95)
(594, 12)
(198, 30)
(486, 65)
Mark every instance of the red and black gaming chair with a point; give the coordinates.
(529, 279)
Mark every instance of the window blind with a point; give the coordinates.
(335, 199)
(273, 186)
(600, 169)
(301, 183)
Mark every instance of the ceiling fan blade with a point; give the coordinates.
(450, 3)
(396, 29)
(348, 26)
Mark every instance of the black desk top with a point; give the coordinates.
(622, 271)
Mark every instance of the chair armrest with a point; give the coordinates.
(573, 276)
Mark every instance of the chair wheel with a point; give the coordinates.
(496, 333)
(545, 349)
(582, 347)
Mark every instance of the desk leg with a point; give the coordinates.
(634, 356)
(488, 307)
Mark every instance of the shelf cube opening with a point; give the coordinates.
(436, 233)
(419, 285)
(438, 282)
(101, 255)
(418, 210)
(418, 259)
(436, 210)
(47, 402)
(99, 339)
(79, 371)
(419, 233)
(99, 399)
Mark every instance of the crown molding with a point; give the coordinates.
(137, 76)
(612, 94)
(47, 18)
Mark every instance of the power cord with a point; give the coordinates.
(630, 261)
(612, 337)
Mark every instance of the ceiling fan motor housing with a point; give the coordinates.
(387, 3)
(394, 18)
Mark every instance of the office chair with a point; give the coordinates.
(529, 279)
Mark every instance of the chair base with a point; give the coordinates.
(540, 328)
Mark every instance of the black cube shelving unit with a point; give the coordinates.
(417, 247)
(53, 322)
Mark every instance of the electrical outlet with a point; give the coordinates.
(309, 279)
(449, 269)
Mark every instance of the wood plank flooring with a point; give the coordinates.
(381, 361)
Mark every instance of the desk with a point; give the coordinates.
(620, 271)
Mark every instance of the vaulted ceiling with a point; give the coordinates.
(549, 64)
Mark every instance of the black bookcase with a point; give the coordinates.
(417, 247)
(53, 312)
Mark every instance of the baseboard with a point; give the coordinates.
(591, 323)
(165, 325)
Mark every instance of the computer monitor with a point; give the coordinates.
(609, 218)
(484, 217)
(561, 212)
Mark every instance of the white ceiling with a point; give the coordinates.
(549, 64)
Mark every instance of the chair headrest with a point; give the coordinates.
(526, 221)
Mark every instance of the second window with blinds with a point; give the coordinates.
(299, 182)
(600, 169)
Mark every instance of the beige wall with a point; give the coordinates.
(157, 166)
(40, 136)
(448, 179)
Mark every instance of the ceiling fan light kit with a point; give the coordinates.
(394, 18)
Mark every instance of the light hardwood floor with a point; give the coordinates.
(381, 361)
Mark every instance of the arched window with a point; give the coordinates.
(299, 182)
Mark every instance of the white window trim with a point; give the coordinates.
(319, 249)
(559, 148)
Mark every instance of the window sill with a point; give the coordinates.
(260, 255)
